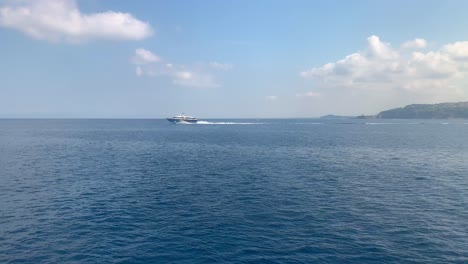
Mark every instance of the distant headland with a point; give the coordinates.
(336, 117)
(419, 111)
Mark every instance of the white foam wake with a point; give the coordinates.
(384, 123)
(307, 123)
(201, 122)
(413, 123)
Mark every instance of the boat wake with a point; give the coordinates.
(307, 123)
(201, 122)
(393, 123)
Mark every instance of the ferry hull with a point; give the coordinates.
(177, 120)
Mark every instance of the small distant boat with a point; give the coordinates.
(182, 119)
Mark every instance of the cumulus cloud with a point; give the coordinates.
(272, 97)
(61, 20)
(457, 50)
(417, 43)
(381, 68)
(198, 75)
(379, 49)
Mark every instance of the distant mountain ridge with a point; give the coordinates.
(427, 111)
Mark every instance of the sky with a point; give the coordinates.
(229, 58)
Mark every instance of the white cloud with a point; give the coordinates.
(379, 49)
(61, 20)
(308, 94)
(143, 56)
(272, 97)
(221, 66)
(417, 43)
(194, 79)
(439, 74)
(198, 75)
(458, 50)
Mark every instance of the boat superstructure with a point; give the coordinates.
(182, 119)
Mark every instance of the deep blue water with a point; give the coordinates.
(264, 191)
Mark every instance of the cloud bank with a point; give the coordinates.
(409, 70)
(198, 75)
(61, 20)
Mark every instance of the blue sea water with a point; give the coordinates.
(233, 191)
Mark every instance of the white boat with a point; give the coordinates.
(182, 118)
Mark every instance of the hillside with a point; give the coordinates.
(336, 117)
(427, 111)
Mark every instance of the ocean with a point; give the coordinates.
(233, 191)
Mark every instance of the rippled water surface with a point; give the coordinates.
(233, 191)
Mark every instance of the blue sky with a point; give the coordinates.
(152, 59)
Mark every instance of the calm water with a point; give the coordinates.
(240, 191)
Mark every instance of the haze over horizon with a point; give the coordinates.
(232, 59)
